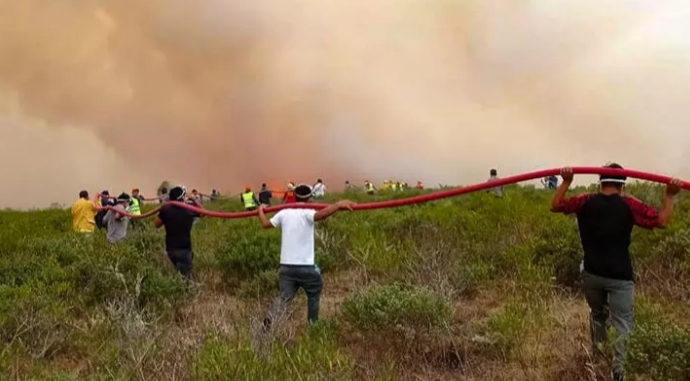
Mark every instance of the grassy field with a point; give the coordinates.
(471, 288)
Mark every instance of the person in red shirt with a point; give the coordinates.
(420, 185)
(606, 220)
(289, 196)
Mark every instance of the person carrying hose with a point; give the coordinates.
(135, 203)
(164, 196)
(248, 199)
(319, 188)
(192, 200)
(134, 208)
(178, 223)
(370, 188)
(498, 191)
(265, 195)
(115, 221)
(289, 196)
(84, 214)
(606, 221)
(297, 266)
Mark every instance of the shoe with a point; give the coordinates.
(267, 324)
(618, 376)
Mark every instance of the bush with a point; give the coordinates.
(250, 255)
(674, 251)
(471, 276)
(660, 350)
(507, 327)
(385, 307)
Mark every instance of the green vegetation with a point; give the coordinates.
(475, 286)
(391, 306)
(314, 356)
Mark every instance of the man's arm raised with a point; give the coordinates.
(557, 202)
(666, 210)
(265, 222)
(332, 209)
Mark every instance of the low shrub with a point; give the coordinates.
(658, 349)
(507, 326)
(385, 307)
(471, 276)
(250, 254)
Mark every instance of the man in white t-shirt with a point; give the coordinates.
(319, 189)
(297, 267)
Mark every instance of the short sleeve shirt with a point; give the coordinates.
(84, 216)
(297, 245)
(606, 223)
(178, 224)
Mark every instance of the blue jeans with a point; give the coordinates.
(183, 261)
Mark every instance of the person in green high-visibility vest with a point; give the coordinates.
(249, 199)
(134, 208)
(135, 203)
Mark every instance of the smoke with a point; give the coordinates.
(223, 93)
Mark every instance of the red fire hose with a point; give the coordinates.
(428, 197)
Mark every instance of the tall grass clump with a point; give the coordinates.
(315, 356)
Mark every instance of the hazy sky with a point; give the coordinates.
(113, 94)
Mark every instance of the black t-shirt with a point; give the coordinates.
(265, 197)
(606, 223)
(178, 227)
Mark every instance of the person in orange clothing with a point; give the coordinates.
(84, 214)
(289, 196)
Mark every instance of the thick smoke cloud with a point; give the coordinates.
(224, 93)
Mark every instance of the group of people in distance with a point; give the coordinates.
(605, 220)
(250, 203)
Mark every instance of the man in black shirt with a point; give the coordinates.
(178, 223)
(606, 221)
(265, 195)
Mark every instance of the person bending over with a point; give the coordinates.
(606, 221)
(116, 223)
(297, 266)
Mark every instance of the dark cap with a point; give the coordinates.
(303, 191)
(178, 193)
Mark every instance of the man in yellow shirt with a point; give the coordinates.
(83, 214)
